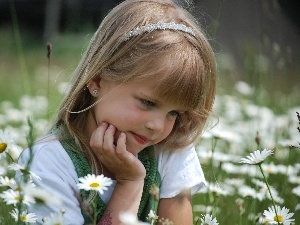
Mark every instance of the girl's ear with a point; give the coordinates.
(94, 85)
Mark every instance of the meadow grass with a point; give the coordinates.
(267, 112)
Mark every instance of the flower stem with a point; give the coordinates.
(30, 142)
(273, 202)
(198, 219)
(95, 210)
(210, 195)
(10, 157)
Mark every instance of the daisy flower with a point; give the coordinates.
(21, 185)
(208, 220)
(42, 196)
(283, 215)
(164, 221)
(257, 157)
(244, 88)
(12, 197)
(204, 208)
(216, 189)
(92, 182)
(6, 181)
(261, 220)
(152, 217)
(18, 167)
(24, 216)
(296, 191)
(6, 140)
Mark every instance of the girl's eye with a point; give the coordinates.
(148, 103)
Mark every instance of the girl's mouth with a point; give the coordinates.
(142, 140)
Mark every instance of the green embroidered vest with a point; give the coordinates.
(146, 156)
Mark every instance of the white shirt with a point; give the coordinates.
(179, 171)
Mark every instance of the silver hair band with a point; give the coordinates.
(158, 26)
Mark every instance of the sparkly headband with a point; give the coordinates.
(158, 26)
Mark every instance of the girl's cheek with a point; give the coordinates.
(168, 131)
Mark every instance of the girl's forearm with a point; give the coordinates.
(125, 198)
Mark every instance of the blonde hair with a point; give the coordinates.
(182, 65)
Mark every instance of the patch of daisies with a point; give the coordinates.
(268, 178)
(249, 155)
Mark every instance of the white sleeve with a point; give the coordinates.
(58, 176)
(179, 171)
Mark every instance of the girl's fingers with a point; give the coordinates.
(108, 140)
(121, 149)
(132, 168)
(115, 157)
(97, 137)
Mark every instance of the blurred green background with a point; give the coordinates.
(255, 41)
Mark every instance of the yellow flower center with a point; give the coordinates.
(2, 147)
(23, 218)
(94, 185)
(278, 218)
(17, 198)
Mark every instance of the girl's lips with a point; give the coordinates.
(140, 139)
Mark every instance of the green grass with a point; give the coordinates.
(66, 52)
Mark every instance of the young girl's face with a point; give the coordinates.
(135, 109)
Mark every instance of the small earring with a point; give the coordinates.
(95, 91)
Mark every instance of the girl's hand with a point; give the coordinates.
(115, 158)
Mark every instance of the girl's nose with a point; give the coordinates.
(156, 124)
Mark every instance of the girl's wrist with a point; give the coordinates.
(129, 183)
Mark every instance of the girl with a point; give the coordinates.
(139, 100)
